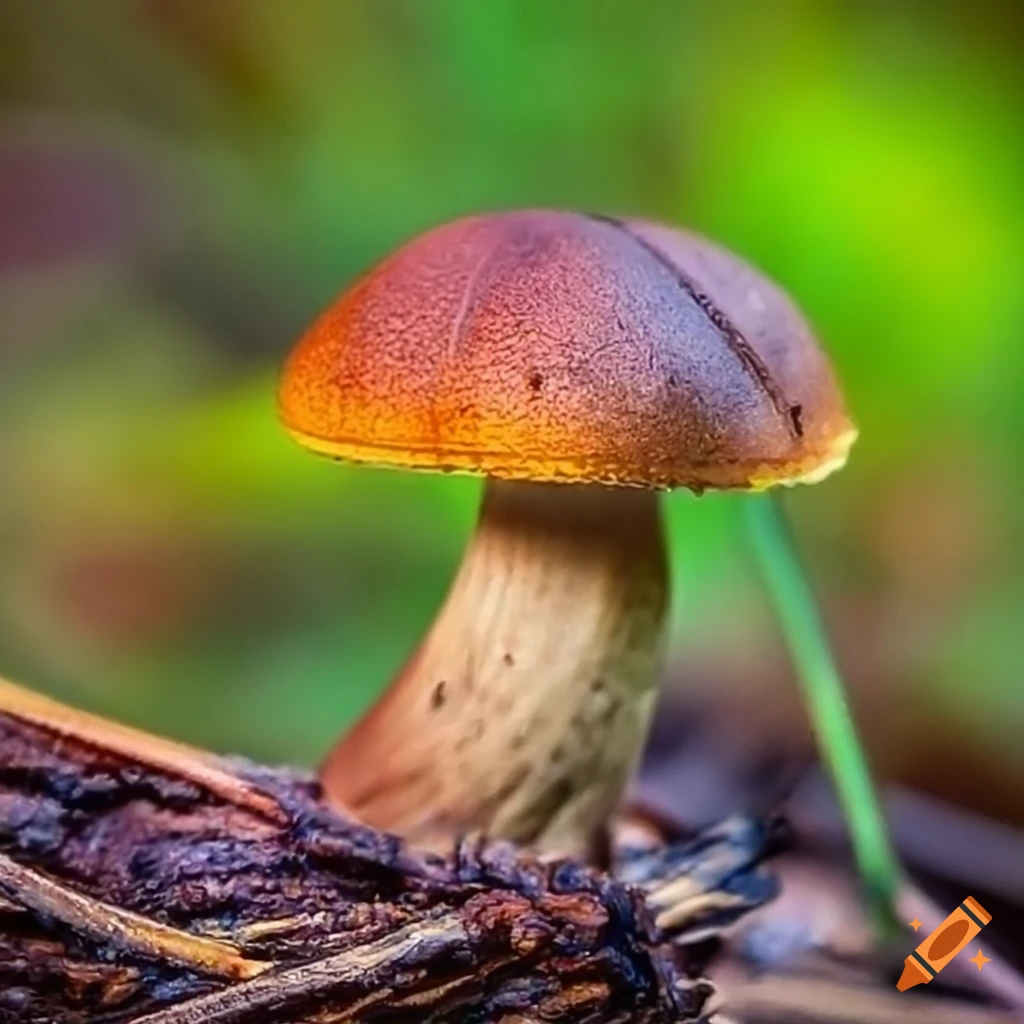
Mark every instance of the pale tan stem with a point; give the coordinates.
(524, 709)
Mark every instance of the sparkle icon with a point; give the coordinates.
(980, 960)
(915, 924)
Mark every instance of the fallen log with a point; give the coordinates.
(149, 883)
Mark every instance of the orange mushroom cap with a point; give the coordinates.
(551, 346)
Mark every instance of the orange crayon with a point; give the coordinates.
(943, 944)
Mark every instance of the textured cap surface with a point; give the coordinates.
(558, 346)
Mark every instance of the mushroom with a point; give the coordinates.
(581, 364)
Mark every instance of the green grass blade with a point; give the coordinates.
(838, 742)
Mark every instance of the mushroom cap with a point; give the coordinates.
(555, 346)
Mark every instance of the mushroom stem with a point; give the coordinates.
(524, 710)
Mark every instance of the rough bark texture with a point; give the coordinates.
(130, 893)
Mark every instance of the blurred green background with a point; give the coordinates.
(185, 185)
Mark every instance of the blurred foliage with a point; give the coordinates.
(185, 184)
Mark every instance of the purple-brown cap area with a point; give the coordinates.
(556, 346)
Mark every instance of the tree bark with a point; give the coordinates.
(142, 882)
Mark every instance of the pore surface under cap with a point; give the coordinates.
(558, 346)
